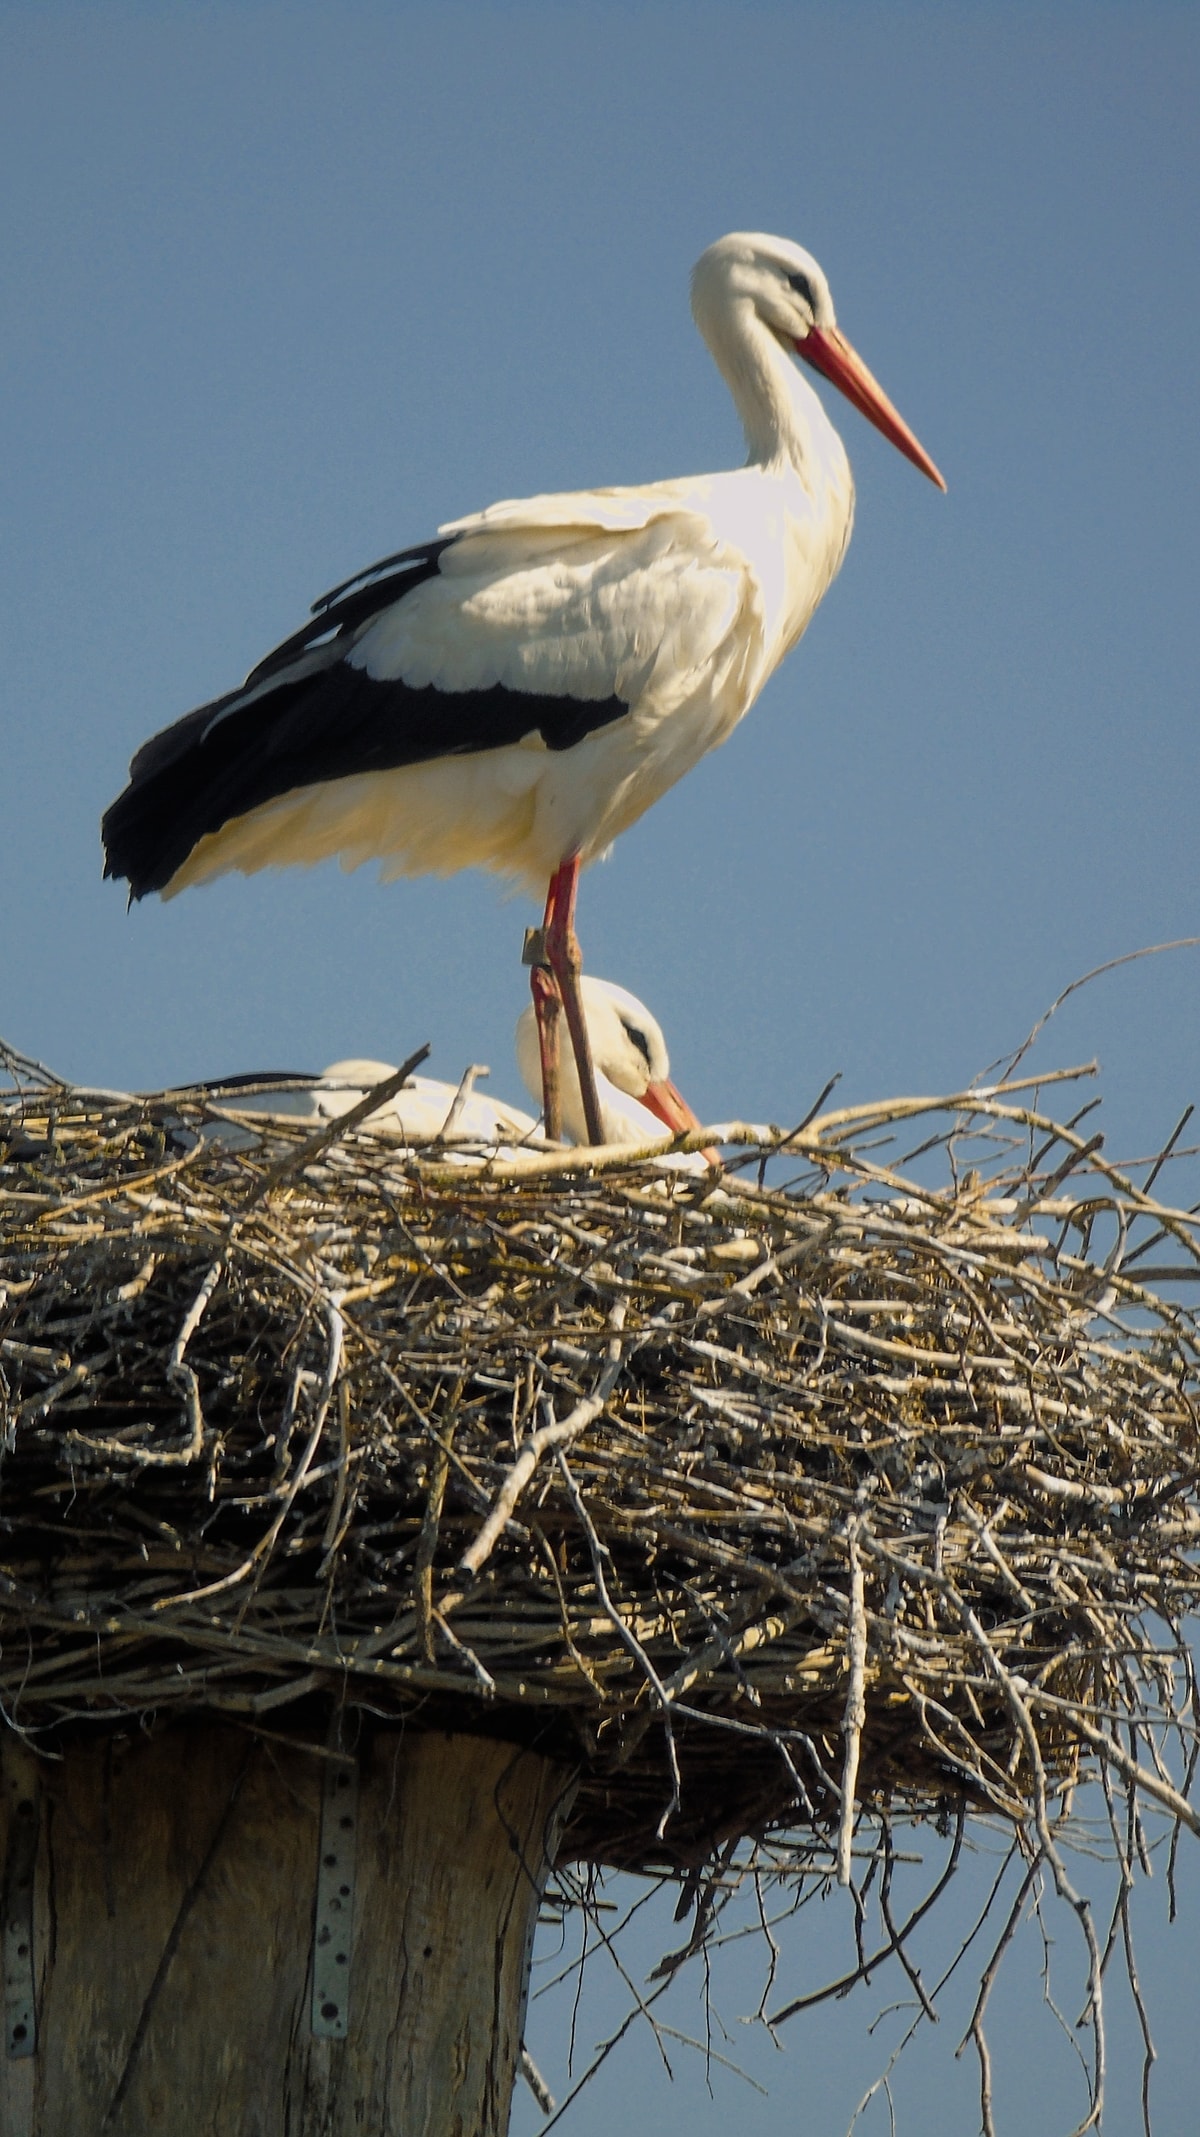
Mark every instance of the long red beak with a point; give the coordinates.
(830, 353)
(670, 1107)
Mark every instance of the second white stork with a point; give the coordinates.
(517, 692)
(629, 1053)
(633, 1072)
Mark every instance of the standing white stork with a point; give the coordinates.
(517, 692)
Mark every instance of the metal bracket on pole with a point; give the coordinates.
(20, 1784)
(333, 1927)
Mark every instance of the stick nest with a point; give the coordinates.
(755, 1503)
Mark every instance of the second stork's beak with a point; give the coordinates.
(831, 354)
(669, 1106)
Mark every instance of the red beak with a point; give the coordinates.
(830, 353)
(670, 1107)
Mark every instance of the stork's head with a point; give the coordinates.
(748, 277)
(632, 1068)
(780, 282)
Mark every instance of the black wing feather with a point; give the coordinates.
(335, 615)
(423, 553)
(333, 722)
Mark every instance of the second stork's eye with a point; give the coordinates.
(638, 1039)
(803, 288)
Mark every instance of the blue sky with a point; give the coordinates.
(287, 286)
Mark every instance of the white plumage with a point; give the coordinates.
(633, 1071)
(516, 693)
(662, 607)
(424, 1110)
(639, 1104)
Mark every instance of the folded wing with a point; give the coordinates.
(532, 626)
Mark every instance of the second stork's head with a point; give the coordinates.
(637, 1098)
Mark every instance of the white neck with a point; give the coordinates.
(781, 415)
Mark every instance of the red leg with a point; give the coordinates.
(566, 963)
(547, 1005)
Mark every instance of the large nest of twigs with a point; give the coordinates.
(751, 1501)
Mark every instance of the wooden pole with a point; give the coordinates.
(183, 1882)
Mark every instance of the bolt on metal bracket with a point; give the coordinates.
(19, 1779)
(333, 1926)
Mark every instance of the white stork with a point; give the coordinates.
(629, 1055)
(627, 1048)
(515, 693)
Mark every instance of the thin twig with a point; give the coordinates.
(855, 1717)
(559, 1433)
(1111, 964)
(627, 1638)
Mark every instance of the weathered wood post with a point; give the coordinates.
(237, 1933)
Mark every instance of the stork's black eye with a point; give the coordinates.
(803, 288)
(640, 1040)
